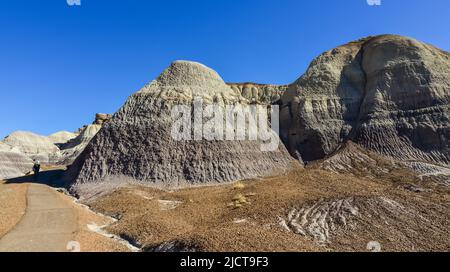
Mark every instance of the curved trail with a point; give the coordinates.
(48, 225)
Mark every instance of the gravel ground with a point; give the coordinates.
(12, 205)
(248, 216)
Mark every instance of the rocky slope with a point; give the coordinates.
(138, 144)
(389, 93)
(353, 159)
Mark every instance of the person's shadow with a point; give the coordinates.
(53, 178)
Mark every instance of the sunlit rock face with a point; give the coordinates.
(30, 143)
(34, 146)
(388, 93)
(13, 163)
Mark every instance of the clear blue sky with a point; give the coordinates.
(59, 65)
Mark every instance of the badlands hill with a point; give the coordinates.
(390, 94)
(138, 142)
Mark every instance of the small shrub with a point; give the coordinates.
(239, 200)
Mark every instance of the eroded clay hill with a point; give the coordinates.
(390, 94)
(138, 143)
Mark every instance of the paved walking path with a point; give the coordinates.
(47, 226)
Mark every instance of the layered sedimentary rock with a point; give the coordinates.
(73, 148)
(353, 159)
(327, 221)
(33, 146)
(19, 149)
(138, 142)
(30, 143)
(264, 94)
(389, 93)
(13, 163)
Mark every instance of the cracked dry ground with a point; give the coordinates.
(305, 210)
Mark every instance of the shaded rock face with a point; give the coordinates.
(320, 109)
(260, 93)
(137, 142)
(390, 94)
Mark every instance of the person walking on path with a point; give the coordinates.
(36, 169)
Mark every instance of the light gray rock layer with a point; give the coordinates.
(14, 164)
(30, 143)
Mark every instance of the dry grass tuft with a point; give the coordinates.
(239, 186)
(239, 200)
